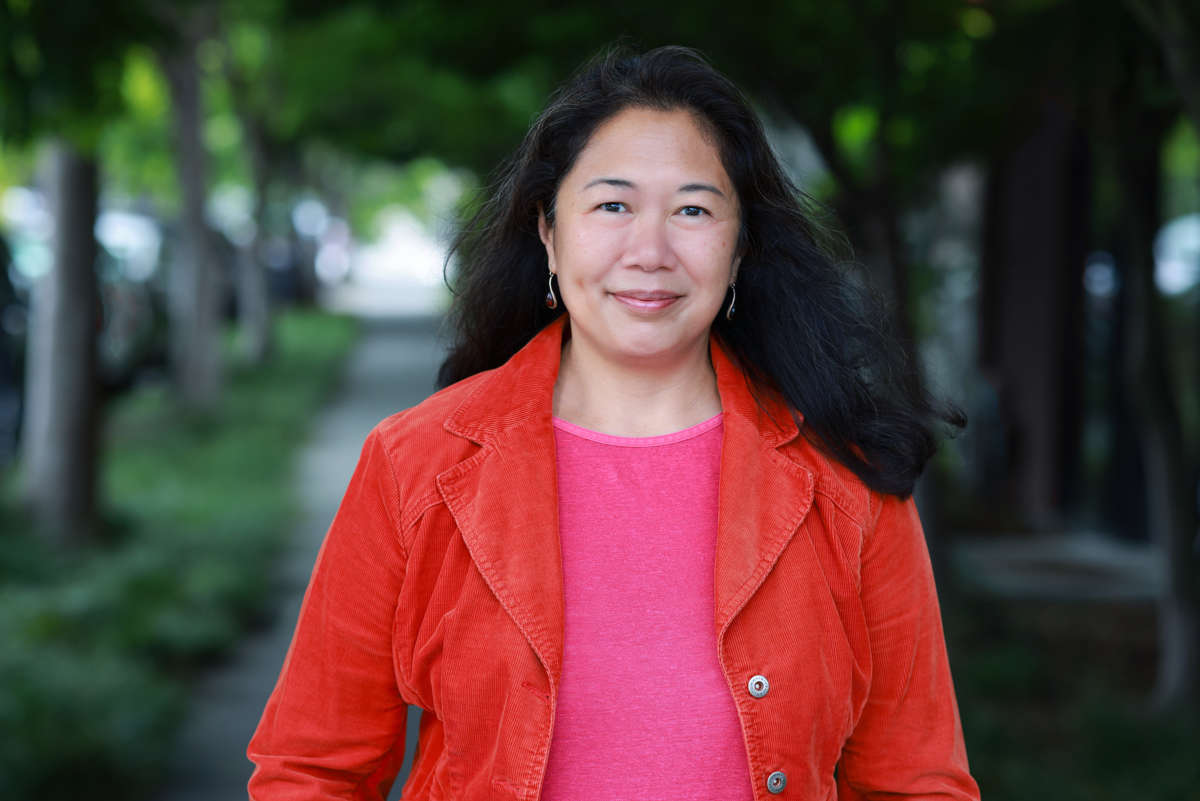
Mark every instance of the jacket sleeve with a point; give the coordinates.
(334, 724)
(908, 741)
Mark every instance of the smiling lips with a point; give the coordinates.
(646, 301)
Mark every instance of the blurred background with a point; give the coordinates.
(222, 234)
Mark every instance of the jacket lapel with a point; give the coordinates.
(764, 495)
(504, 498)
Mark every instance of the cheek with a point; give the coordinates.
(712, 258)
(584, 257)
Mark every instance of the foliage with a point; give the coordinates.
(134, 147)
(78, 718)
(402, 84)
(135, 144)
(60, 65)
(16, 165)
(99, 642)
(1181, 171)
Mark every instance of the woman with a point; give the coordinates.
(655, 539)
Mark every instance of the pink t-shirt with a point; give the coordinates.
(644, 710)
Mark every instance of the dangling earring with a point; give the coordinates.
(551, 300)
(732, 300)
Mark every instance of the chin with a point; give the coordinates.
(649, 349)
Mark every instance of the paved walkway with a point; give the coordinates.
(392, 367)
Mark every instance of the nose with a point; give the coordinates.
(648, 246)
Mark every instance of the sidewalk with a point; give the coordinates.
(391, 368)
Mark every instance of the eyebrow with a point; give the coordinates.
(630, 185)
(701, 188)
(609, 182)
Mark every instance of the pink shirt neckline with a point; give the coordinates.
(639, 442)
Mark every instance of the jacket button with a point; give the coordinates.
(758, 686)
(776, 782)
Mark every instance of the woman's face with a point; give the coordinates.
(644, 237)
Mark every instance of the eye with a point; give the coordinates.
(693, 211)
(613, 206)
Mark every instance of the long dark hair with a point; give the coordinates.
(808, 328)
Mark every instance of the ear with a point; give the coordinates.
(546, 234)
(737, 262)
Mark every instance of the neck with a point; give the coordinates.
(635, 400)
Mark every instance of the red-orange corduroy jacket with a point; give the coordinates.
(439, 584)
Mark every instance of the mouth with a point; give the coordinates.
(646, 300)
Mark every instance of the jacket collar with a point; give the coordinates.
(504, 497)
(521, 392)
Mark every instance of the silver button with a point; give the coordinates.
(776, 781)
(758, 686)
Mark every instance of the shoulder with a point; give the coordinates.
(430, 414)
(836, 485)
(856, 526)
(416, 444)
(878, 518)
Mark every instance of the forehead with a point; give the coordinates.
(650, 144)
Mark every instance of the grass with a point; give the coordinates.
(101, 640)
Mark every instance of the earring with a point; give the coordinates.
(732, 300)
(551, 300)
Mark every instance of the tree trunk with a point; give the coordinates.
(1171, 502)
(254, 309)
(868, 210)
(1171, 508)
(59, 444)
(195, 281)
(1031, 309)
(304, 256)
(253, 298)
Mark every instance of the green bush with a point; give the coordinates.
(80, 722)
(101, 640)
